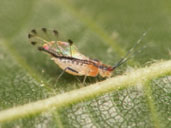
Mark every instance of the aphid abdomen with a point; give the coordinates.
(80, 68)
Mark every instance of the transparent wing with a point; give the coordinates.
(50, 40)
(69, 49)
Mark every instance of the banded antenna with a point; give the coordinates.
(130, 52)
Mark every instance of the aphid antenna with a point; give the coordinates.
(130, 52)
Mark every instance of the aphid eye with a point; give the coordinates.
(33, 31)
(44, 30)
(110, 69)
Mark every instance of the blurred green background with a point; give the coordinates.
(101, 29)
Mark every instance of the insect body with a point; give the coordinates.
(67, 56)
(78, 64)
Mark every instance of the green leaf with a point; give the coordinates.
(29, 94)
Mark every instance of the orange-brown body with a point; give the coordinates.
(83, 67)
(67, 57)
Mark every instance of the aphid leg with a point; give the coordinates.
(97, 79)
(70, 43)
(78, 79)
(67, 68)
(85, 77)
(61, 74)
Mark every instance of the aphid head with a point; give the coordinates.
(105, 71)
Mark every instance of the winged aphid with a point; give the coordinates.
(66, 55)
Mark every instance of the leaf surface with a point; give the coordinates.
(100, 29)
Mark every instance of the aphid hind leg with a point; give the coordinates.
(61, 74)
(67, 68)
(85, 77)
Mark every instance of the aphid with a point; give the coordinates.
(66, 55)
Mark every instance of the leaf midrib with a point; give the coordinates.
(141, 75)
